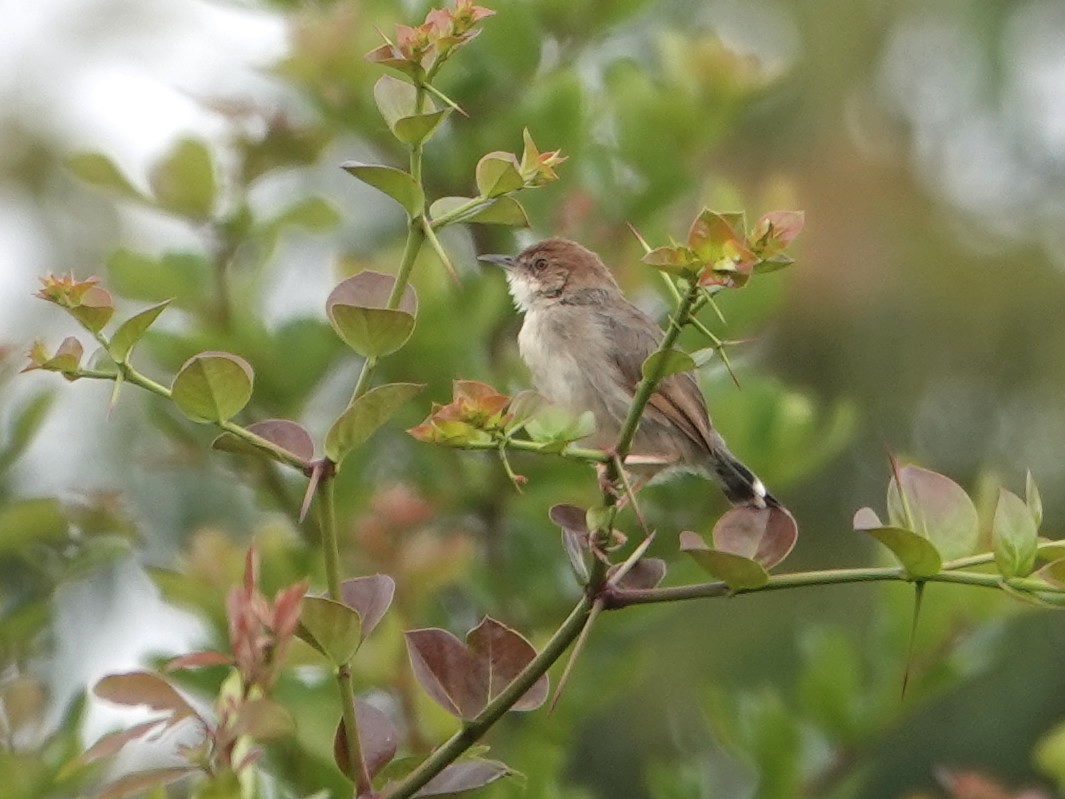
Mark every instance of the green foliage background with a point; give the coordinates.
(924, 315)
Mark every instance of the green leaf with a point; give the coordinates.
(499, 211)
(26, 421)
(184, 277)
(183, 180)
(312, 213)
(1054, 572)
(331, 627)
(420, 127)
(395, 99)
(371, 331)
(31, 521)
(213, 386)
(711, 230)
(675, 260)
(362, 418)
(557, 426)
(95, 309)
(663, 363)
(497, 174)
(1013, 536)
(1033, 500)
(917, 554)
(942, 511)
(735, 571)
(99, 170)
(396, 183)
(130, 331)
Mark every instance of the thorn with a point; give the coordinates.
(582, 639)
(312, 486)
(639, 238)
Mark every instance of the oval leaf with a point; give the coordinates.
(765, 535)
(370, 597)
(369, 289)
(365, 415)
(1033, 500)
(916, 553)
(498, 211)
(331, 627)
(645, 573)
(498, 173)
(183, 181)
(942, 511)
(144, 688)
(465, 775)
(287, 435)
(1013, 536)
(99, 170)
(213, 386)
(419, 127)
(396, 183)
(377, 740)
(395, 99)
(736, 571)
(130, 331)
(94, 309)
(663, 363)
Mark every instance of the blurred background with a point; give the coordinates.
(926, 144)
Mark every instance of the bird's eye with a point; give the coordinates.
(540, 264)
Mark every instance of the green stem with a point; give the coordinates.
(472, 731)
(620, 598)
(521, 445)
(415, 238)
(458, 212)
(331, 551)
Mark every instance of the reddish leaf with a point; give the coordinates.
(370, 596)
(112, 742)
(506, 652)
(941, 511)
(144, 688)
(466, 775)
(371, 289)
(290, 436)
(377, 740)
(463, 679)
(263, 719)
(645, 573)
(197, 660)
(765, 535)
(452, 675)
(570, 517)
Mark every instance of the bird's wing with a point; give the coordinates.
(677, 398)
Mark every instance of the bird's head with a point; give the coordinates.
(550, 271)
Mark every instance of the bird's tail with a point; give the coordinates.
(740, 484)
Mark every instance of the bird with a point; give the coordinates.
(585, 345)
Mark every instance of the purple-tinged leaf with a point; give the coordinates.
(866, 519)
(465, 775)
(111, 743)
(198, 660)
(765, 535)
(506, 652)
(941, 511)
(451, 674)
(357, 312)
(95, 309)
(575, 539)
(144, 688)
(645, 573)
(289, 436)
(370, 596)
(1013, 536)
(377, 740)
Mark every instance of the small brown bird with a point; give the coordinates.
(585, 344)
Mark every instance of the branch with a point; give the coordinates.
(472, 731)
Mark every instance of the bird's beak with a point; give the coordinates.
(505, 261)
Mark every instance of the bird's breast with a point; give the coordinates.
(559, 353)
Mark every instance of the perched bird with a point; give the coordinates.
(585, 344)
